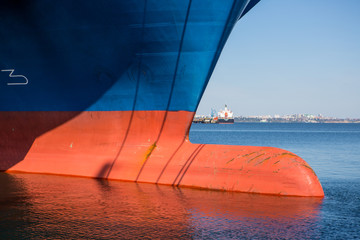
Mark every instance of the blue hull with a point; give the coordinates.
(111, 55)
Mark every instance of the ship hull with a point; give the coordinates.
(110, 92)
(138, 146)
(226, 121)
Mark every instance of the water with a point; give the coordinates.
(332, 150)
(55, 207)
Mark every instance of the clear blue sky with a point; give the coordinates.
(291, 56)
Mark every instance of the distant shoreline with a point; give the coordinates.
(296, 118)
(357, 121)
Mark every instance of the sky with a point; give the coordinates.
(290, 57)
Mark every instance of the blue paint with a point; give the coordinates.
(111, 55)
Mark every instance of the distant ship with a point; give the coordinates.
(226, 116)
(108, 89)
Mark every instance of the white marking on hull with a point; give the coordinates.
(15, 76)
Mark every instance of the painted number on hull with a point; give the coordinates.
(24, 80)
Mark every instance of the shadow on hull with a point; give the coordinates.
(19, 131)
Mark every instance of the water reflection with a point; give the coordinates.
(40, 206)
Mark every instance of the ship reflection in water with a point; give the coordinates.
(41, 206)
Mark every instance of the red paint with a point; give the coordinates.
(145, 146)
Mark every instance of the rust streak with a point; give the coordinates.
(150, 150)
(309, 168)
(285, 154)
(290, 154)
(246, 155)
(256, 157)
(262, 161)
(230, 161)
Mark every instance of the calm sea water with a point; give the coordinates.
(52, 207)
